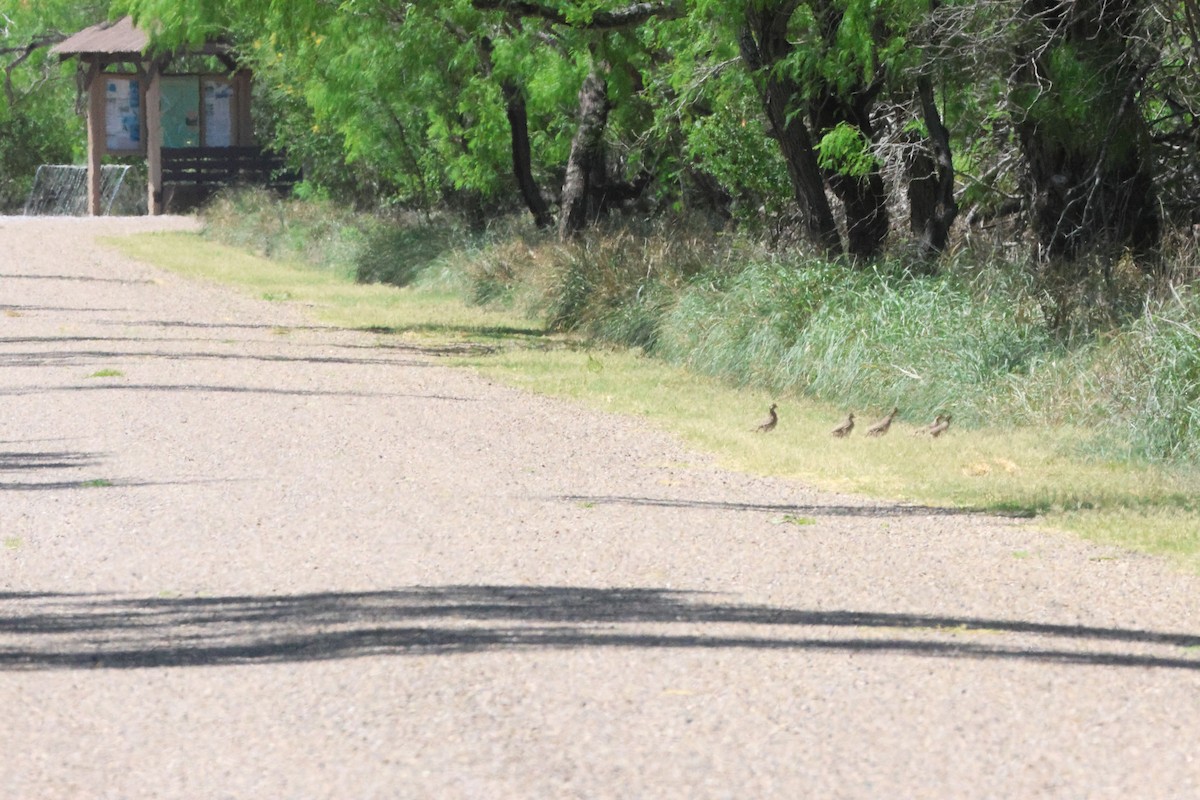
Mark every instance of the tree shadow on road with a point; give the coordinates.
(27, 460)
(74, 278)
(40, 631)
(865, 509)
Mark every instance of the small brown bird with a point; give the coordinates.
(881, 427)
(940, 425)
(929, 428)
(843, 430)
(770, 422)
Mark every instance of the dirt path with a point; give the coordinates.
(246, 556)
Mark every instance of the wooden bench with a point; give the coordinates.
(193, 174)
(225, 166)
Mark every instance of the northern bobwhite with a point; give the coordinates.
(881, 427)
(843, 430)
(940, 425)
(770, 422)
(929, 428)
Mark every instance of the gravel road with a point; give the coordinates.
(247, 556)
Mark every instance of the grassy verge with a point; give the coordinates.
(1028, 471)
(425, 313)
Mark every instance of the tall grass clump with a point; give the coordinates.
(611, 285)
(739, 324)
(1150, 377)
(870, 338)
(365, 248)
(400, 254)
(503, 269)
(925, 344)
(316, 232)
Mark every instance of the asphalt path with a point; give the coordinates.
(246, 555)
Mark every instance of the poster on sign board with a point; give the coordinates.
(122, 114)
(180, 111)
(218, 113)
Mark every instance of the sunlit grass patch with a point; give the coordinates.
(1165, 530)
(332, 296)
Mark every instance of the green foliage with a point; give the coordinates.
(730, 142)
(38, 130)
(38, 123)
(840, 45)
(845, 150)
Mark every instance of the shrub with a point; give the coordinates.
(314, 231)
(1150, 376)
(397, 254)
(617, 285)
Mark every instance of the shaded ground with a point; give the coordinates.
(242, 554)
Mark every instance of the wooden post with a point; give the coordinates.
(243, 128)
(154, 199)
(97, 133)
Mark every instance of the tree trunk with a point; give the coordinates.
(1091, 189)
(932, 208)
(863, 197)
(582, 187)
(518, 125)
(518, 121)
(764, 44)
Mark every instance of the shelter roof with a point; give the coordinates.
(108, 38)
(123, 40)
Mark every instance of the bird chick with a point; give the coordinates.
(768, 424)
(882, 426)
(929, 428)
(940, 425)
(843, 430)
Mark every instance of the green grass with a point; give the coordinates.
(332, 296)
(107, 373)
(1042, 471)
(1019, 471)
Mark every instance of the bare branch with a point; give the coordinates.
(633, 14)
(24, 52)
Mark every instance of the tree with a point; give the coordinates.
(1077, 115)
(932, 204)
(38, 124)
(444, 81)
(765, 46)
(1076, 96)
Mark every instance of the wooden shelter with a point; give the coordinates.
(193, 128)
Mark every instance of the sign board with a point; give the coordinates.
(180, 111)
(218, 112)
(123, 114)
